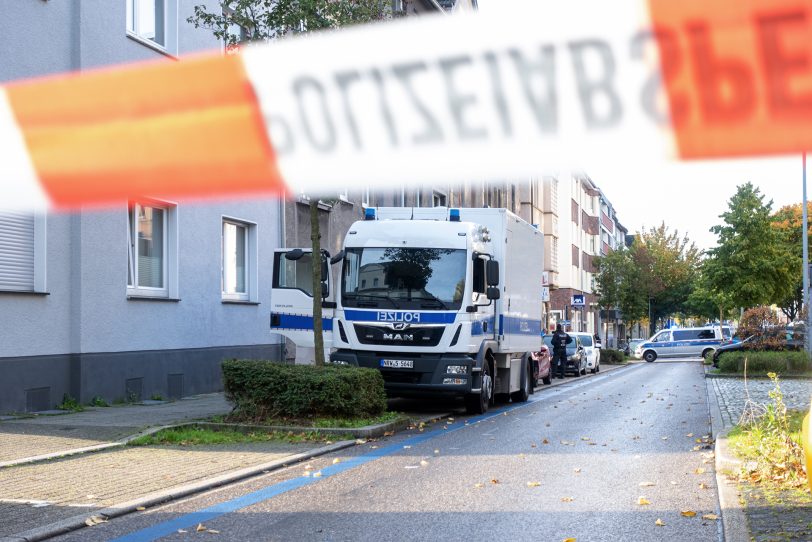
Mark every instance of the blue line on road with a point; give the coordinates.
(190, 520)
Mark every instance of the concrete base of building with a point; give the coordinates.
(38, 383)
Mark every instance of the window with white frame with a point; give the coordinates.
(22, 252)
(154, 23)
(152, 249)
(239, 261)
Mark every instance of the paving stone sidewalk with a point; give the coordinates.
(34, 436)
(732, 396)
(785, 516)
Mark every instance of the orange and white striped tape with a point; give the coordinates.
(418, 101)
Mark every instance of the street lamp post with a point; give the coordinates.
(807, 342)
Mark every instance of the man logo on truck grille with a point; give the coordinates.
(400, 326)
(398, 337)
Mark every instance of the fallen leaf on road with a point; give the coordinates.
(317, 474)
(567, 499)
(336, 461)
(577, 471)
(212, 531)
(569, 540)
(646, 484)
(673, 483)
(659, 523)
(451, 419)
(424, 463)
(585, 439)
(494, 481)
(200, 528)
(545, 441)
(713, 517)
(411, 467)
(360, 441)
(406, 447)
(95, 520)
(696, 448)
(388, 433)
(436, 452)
(141, 508)
(533, 445)
(688, 513)
(690, 435)
(182, 531)
(699, 471)
(479, 485)
(533, 484)
(703, 486)
(521, 455)
(642, 501)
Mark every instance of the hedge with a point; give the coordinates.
(610, 355)
(765, 362)
(266, 389)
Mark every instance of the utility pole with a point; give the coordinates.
(807, 342)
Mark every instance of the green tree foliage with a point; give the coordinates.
(657, 271)
(239, 21)
(749, 265)
(788, 223)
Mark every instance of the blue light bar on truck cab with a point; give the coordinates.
(454, 215)
(369, 213)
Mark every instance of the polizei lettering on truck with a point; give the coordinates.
(408, 317)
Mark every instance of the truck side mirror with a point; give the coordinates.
(493, 293)
(325, 290)
(492, 273)
(294, 254)
(337, 258)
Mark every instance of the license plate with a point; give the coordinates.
(398, 363)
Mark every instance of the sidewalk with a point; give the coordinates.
(747, 515)
(29, 437)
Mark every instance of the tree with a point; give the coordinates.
(788, 223)
(749, 264)
(239, 21)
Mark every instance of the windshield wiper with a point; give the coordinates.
(428, 300)
(374, 296)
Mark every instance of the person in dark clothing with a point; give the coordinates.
(560, 341)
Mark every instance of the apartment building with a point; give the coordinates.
(613, 236)
(144, 299)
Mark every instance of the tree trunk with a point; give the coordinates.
(315, 238)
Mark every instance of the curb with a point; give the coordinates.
(734, 522)
(756, 377)
(153, 499)
(369, 431)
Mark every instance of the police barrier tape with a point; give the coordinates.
(448, 99)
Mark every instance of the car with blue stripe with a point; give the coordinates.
(681, 342)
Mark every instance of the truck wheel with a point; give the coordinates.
(650, 356)
(523, 394)
(478, 403)
(706, 352)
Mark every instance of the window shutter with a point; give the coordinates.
(16, 251)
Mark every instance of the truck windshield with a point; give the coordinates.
(403, 278)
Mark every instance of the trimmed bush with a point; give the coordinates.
(266, 389)
(610, 355)
(765, 362)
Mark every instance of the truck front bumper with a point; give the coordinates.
(429, 376)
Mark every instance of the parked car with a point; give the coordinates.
(681, 342)
(592, 351)
(542, 370)
(790, 337)
(576, 357)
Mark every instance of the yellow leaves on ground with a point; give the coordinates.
(642, 501)
(647, 484)
(533, 484)
(423, 463)
(659, 523)
(567, 499)
(200, 528)
(95, 520)
(712, 517)
(688, 513)
(703, 485)
(336, 461)
(479, 485)
(494, 481)
(569, 540)
(699, 471)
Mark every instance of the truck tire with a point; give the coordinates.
(478, 403)
(523, 394)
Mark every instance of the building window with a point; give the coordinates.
(146, 19)
(239, 261)
(439, 199)
(152, 250)
(22, 252)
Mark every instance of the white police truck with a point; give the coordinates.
(441, 301)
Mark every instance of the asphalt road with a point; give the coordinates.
(568, 464)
